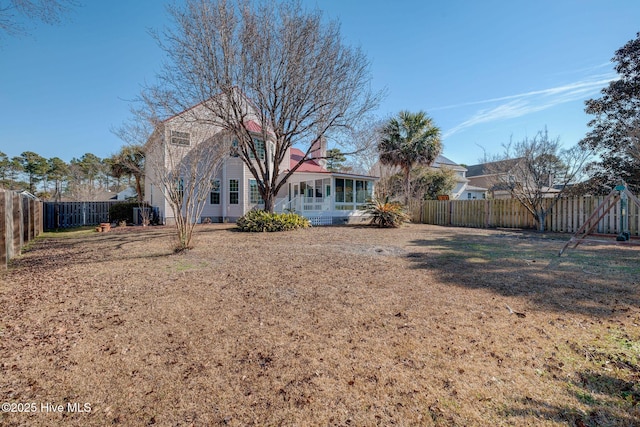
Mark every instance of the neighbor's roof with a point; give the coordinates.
(442, 160)
(490, 168)
(474, 188)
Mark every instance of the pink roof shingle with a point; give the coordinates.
(307, 166)
(252, 126)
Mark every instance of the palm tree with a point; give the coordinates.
(408, 140)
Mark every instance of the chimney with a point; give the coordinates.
(319, 149)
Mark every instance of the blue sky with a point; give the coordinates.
(485, 71)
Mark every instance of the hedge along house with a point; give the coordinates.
(312, 191)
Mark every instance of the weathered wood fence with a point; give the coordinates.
(20, 222)
(567, 216)
(75, 214)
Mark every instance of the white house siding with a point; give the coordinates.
(161, 153)
(232, 168)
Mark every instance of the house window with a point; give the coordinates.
(180, 138)
(180, 188)
(234, 193)
(234, 148)
(214, 198)
(468, 195)
(272, 151)
(254, 193)
(258, 144)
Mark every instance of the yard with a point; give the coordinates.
(344, 326)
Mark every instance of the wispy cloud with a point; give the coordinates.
(512, 106)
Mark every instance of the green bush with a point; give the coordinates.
(123, 211)
(386, 214)
(257, 221)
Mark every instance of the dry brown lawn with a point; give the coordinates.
(336, 326)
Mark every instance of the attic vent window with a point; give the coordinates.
(180, 138)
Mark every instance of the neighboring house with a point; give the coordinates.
(495, 177)
(126, 194)
(462, 189)
(312, 191)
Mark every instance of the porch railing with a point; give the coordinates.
(302, 204)
(316, 203)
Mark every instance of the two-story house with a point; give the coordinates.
(323, 196)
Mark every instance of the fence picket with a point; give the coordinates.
(78, 214)
(567, 216)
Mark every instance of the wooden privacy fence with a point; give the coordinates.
(20, 222)
(567, 216)
(75, 214)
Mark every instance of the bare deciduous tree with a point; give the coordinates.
(13, 13)
(537, 172)
(363, 140)
(270, 68)
(185, 175)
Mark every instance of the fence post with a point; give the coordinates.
(18, 225)
(4, 212)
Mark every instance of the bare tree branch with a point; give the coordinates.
(13, 13)
(273, 64)
(537, 170)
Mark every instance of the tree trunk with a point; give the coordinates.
(541, 217)
(138, 179)
(407, 185)
(268, 198)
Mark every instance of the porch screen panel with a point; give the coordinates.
(319, 188)
(360, 192)
(339, 190)
(348, 191)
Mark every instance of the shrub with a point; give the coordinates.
(255, 221)
(386, 214)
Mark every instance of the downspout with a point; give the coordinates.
(224, 192)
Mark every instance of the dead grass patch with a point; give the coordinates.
(325, 326)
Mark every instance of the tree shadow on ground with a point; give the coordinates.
(91, 248)
(596, 281)
(598, 415)
(609, 401)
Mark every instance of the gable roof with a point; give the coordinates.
(308, 166)
(311, 166)
(442, 160)
(490, 168)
